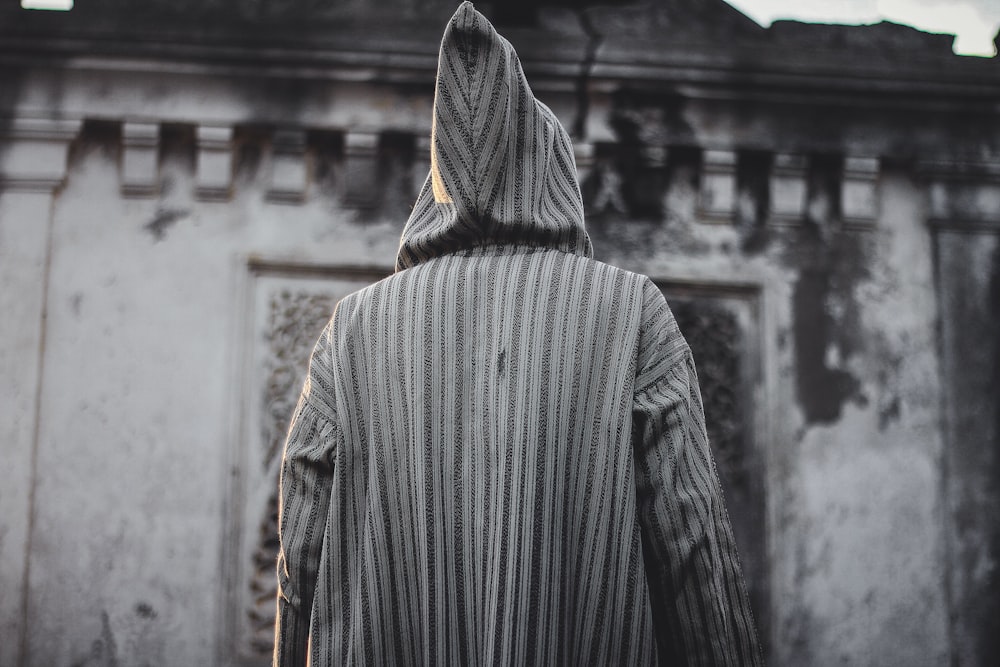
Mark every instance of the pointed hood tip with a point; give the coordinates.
(467, 20)
(502, 165)
(465, 13)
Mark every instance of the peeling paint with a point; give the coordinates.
(822, 389)
(145, 610)
(163, 220)
(103, 650)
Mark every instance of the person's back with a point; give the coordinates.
(500, 455)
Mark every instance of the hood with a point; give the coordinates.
(502, 167)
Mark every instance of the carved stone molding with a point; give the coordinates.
(721, 326)
(290, 307)
(295, 319)
(716, 342)
(290, 314)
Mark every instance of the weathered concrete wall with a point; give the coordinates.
(23, 240)
(126, 468)
(869, 544)
(177, 218)
(32, 165)
(852, 409)
(968, 270)
(140, 391)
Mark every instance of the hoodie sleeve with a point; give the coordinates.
(304, 496)
(701, 609)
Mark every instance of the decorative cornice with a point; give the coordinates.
(39, 129)
(966, 225)
(963, 197)
(885, 64)
(957, 169)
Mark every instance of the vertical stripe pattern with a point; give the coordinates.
(499, 456)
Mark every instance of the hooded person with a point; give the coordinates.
(499, 454)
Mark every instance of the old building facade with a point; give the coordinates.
(186, 189)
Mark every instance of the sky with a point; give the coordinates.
(974, 22)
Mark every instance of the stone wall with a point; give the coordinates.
(182, 202)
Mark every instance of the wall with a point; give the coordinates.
(179, 213)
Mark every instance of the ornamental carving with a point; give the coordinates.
(718, 342)
(263, 582)
(715, 338)
(293, 323)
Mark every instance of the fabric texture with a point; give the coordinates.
(499, 455)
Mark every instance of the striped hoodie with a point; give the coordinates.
(499, 455)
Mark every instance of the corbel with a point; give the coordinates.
(717, 197)
(289, 169)
(859, 191)
(360, 155)
(34, 155)
(214, 174)
(788, 189)
(140, 159)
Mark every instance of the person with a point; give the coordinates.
(499, 455)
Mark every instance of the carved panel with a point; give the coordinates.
(288, 310)
(287, 315)
(715, 339)
(722, 330)
(262, 588)
(295, 318)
